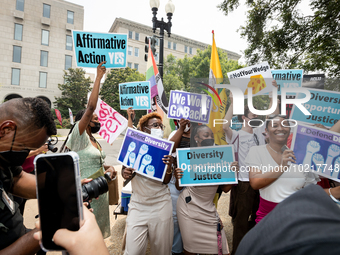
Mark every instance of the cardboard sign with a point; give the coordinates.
(289, 78)
(324, 107)
(258, 77)
(191, 106)
(317, 149)
(144, 153)
(206, 165)
(135, 94)
(93, 48)
(112, 123)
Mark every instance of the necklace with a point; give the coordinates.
(92, 138)
(273, 149)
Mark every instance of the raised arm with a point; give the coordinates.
(277, 110)
(229, 115)
(131, 116)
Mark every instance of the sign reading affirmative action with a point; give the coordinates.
(93, 48)
(136, 95)
(191, 106)
(206, 165)
(289, 78)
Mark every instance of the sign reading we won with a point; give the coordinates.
(112, 123)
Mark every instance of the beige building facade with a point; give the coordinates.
(36, 46)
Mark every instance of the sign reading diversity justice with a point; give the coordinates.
(317, 149)
(144, 153)
(93, 48)
(206, 165)
(136, 95)
(191, 106)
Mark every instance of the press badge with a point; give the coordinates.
(8, 202)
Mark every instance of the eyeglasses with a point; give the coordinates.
(156, 125)
(272, 116)
(256, 139)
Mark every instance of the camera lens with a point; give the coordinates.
(94, 188)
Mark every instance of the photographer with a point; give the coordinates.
(25, 124)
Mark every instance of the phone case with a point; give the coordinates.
(75, 158)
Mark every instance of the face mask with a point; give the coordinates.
(187, 128)
(255, 123)
(207, 142)
(157, 132)
(96, 127)
(13, 158)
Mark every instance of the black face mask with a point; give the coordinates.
(255, 123)
(13, 158)
(96, 127)
(207, 142)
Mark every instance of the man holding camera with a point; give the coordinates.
(25, 124)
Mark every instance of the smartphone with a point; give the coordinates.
(284, 147)
(59, 195)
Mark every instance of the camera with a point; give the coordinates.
(51, 142)
(96, 187)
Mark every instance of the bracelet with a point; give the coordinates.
(333, 198)
(170, 171)
(114, 178)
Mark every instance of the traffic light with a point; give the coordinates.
(153, 41)
(153, 44)
(146, 47)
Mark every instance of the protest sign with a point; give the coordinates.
(290, 78)
(235, 124)
(135, 94)
(191, 106)
(323, 106)
(315, 81)
(112, 123)
(206, 165)
(144, 153)
(317, 149)
(258, 77)
(93, 48)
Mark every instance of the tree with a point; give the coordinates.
(285, 37)
(73, 92)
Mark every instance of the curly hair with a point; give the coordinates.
(193, 134)
(144, 120)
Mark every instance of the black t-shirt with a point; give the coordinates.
(11, 225)
(307, 222)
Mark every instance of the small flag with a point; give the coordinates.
(58, 116)
(71, 116)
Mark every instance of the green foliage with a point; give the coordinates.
(73, 92)
(278, 32)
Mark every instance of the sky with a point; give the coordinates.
(192, 19)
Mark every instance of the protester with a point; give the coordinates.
(150, 204)
(25, 124)
(91, 155)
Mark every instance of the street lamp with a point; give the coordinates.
(162, 25)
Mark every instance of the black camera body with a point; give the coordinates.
(51, 142)
(96, 187)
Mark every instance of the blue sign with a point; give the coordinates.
(206, 165)
(136, 95)
(144, 153)
(289, 78)
(93, 48)
(318, 150)
(323, 106)
(191, 106)
(235, 124)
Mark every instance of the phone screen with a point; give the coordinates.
(57, 197)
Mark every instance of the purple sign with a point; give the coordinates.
(191, 106)
(318, 149)
(144, 153)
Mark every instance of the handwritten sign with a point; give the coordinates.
(112, 123)
(135, 94)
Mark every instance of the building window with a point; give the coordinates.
(43, 58)
(169, 45)
(130, 34)
(46, 10)
(190, 50)
(185, 49)
(136, 36)
(130, 65)
(136, 52)
(136, 66)
(68, 42)
(174, 46)
(68, 62)
(42, 80)
(70, 17)
(45, 34)
(15, 76)
(130, 48)
(17, 54)
(18, 32)
(20, 5)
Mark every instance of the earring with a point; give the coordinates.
(196, 141)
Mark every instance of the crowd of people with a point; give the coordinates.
(273, 212)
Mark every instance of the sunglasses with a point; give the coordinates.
(156, 125)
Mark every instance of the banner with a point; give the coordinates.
(112, 123)
(71, 116)
(93, 48)
(57, 112)
(258, 77)
(189, 106)
(317, 149)
(206, 165)
(144, 153)
(289, 78)
(315, 81)
(135, 94)
(324, 107)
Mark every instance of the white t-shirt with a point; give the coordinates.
(246, 141)
(288, 183)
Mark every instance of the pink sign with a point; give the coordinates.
(112, 122)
